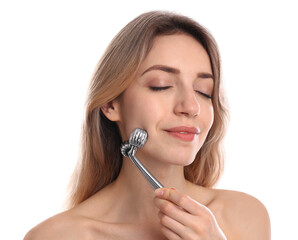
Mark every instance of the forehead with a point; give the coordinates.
(179, 50)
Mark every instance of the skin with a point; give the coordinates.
(128, 208)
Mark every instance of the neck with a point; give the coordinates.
(137, 194)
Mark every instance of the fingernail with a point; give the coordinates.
(159, 192)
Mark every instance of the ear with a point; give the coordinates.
(111, 110)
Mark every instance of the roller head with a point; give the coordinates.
(138, 138)
(125, 147)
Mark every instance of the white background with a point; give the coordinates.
(48, 52)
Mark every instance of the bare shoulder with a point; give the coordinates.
(64, 226)
(244, 216)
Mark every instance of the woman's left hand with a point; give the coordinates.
(182, 217)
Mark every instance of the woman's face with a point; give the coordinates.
(170, 100)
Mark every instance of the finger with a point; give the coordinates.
(176, 229)
(172, 210)
(181, 200)
(169, 234)
(171, 227)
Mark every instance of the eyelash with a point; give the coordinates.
(167, 87)
(204, 94)
(159, 88)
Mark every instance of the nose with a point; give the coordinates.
(187, 104)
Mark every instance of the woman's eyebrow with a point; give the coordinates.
(205, 75)
(175, 71)
(162, 68)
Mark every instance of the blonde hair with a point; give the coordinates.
(101, 160)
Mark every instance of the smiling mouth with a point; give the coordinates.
(183, 133)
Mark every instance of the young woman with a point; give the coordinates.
(161, 73)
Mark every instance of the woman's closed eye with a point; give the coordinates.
(204, 94)
(153, 88)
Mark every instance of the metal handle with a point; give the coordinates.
(149, 177)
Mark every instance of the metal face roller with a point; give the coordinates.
(129, 148)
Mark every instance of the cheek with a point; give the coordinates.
(207, 117)
(142, 113)
(211, 116)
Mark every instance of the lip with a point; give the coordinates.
(183, 133)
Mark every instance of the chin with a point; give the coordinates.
(182, 158)
(183, 162)
(178, 159)
(175, 155)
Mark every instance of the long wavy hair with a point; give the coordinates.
(100, 161)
